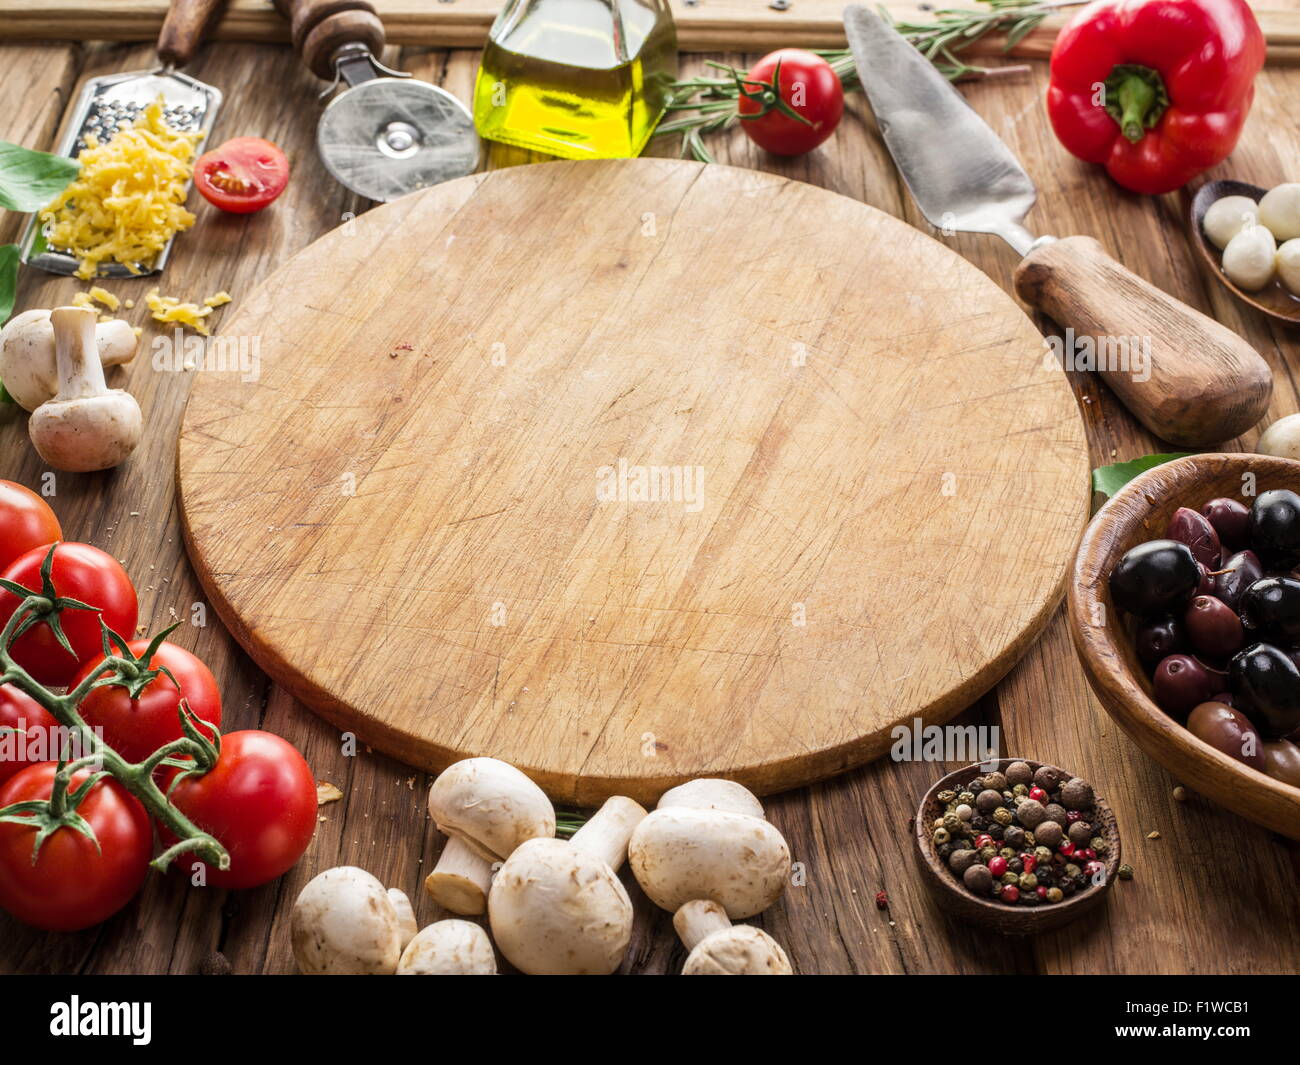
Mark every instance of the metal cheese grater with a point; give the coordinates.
(106, 104)
(387, 134)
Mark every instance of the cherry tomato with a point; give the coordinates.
(243, 175)
(38, 730)
(809, 86)
(259, 801)
(26, 521)
(80, 572)
(73, 884)
(135, 728)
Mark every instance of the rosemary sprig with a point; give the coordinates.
(703, 105)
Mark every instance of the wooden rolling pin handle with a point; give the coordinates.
(186, 24)
(1186, 377)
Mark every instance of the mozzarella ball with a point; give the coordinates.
(1248, 258)
(1288, 265)
(1282, 438)
(1279, 211)
(1226, 217)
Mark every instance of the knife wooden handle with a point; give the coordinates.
(183, 29)
(320, 27)
(1203, 384)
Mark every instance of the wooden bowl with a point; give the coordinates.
(1140, 511)
(1009, 919)
(1273, 299)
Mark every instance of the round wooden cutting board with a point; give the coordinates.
(630, 472)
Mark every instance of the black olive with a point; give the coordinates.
(1275, 528)
(1267, 684)
(1154, 578)
(1159, 638)
(1270, 610)
(1238, 573)
(1231, 520)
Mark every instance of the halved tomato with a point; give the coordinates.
(243, 175)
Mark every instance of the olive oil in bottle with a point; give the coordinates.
(583, 79)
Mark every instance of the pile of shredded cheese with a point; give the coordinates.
(129, 199)
(171, 309)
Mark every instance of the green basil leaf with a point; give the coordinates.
(30, 179)
(8, 279)
(1110, 479)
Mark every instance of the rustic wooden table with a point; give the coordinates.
(1211, 894)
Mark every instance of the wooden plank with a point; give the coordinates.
(751, 25)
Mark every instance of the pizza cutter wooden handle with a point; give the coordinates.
(319, 28)
(186, 24)
(1186, 377)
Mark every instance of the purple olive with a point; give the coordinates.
(1282, 761)
(1194, 530)
(1227, 730)
(1154, 578)
(1226, 698)
(1159, 638)
(1181, 682)
(1267, 684)
(1213, 627)
(1237, 573)
(1231, 520)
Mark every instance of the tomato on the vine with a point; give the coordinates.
(26, 521)
(135, 728)
(80, 572)
(243, 175)
(258, 801)
(805, 110)
(73, 883)
(34, 737)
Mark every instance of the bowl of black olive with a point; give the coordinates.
(1184, 607)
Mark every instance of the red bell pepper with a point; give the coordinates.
(1155, 90)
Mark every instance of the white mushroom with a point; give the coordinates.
(712, 793)
(719, 948)
(344, 924)
(680, 853)
(1248, 258)
(1227, 216)
(487, 808)
(405, 914)
(448, 948)
(1288, 265)
(558, 908)
(28, 365)
(1279, 211)
(87, 425)
(1282, 438)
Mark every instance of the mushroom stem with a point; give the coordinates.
(461, 879)
(80, 372)
(606, 835)
(699, 919)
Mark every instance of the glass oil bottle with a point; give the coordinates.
(582, 79)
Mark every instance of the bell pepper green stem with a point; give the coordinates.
(1136, 98)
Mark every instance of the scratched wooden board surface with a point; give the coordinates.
(1211, 894)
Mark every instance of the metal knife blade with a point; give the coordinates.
(961, 174)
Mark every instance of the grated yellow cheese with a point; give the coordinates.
(100, 295)
(128, 201)
(171, 310)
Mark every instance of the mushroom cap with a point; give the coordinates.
(344, 924)
(741, 950)
(713, 793)
(490, 805)
(557, 910)
(449, 948)
(88, 433)
(681, 853)
(27, 359)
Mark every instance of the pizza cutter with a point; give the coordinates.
(388, 133)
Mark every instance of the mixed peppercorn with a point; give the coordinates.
(1021, 836)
